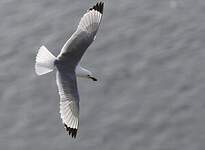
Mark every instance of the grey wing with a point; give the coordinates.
(69, 101)
(85, 34)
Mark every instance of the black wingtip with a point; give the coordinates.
(71, 131)
(99, 7)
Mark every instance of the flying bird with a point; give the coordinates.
(67, 66)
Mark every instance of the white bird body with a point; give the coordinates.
(68, 68)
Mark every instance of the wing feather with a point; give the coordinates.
(85, 34)
(69, 101)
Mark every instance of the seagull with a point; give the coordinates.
(67, 66)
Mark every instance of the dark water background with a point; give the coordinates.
(149, 57)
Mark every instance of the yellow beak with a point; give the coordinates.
(93, 78)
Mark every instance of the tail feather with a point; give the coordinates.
(44, 61)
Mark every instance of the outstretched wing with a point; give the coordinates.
(85, 34)
(69, 101)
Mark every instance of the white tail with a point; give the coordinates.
(44, 61)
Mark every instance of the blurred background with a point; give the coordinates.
(149, 57)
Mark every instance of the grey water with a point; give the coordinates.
(149, 57)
